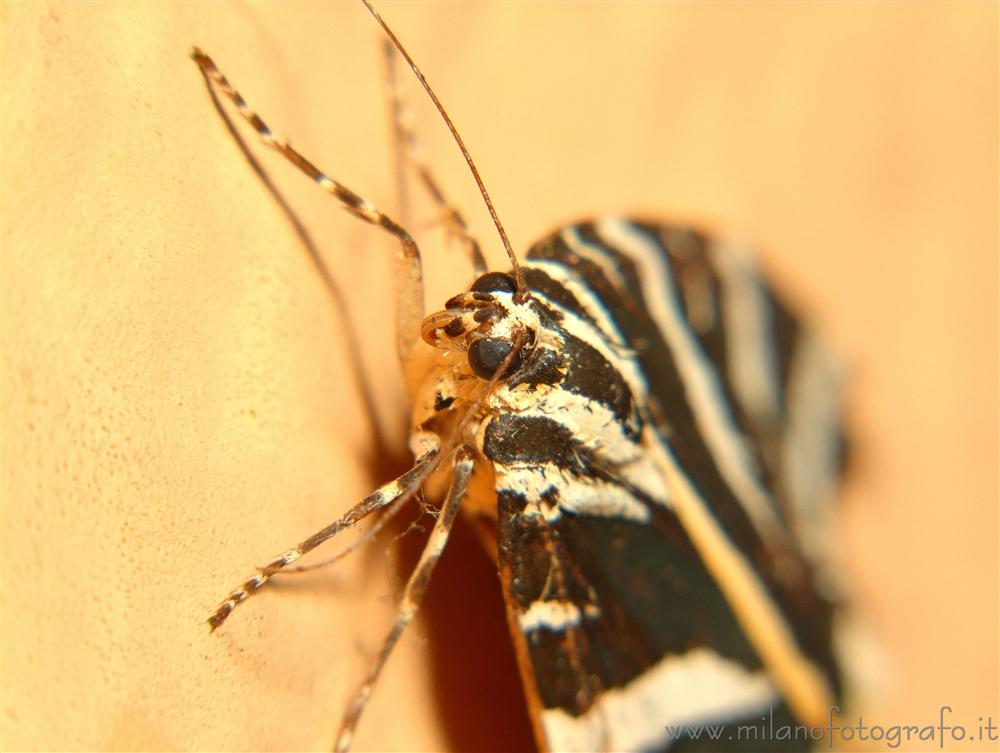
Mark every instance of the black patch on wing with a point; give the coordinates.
(788, 334)
(543, 366)
(589, 374)
(654, 594)
(533, 440)
(578, 368)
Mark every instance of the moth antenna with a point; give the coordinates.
(522, 288)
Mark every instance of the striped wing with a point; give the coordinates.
(625, 622)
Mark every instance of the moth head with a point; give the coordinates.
(484, 323)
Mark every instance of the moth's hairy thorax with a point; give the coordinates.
(443, 386)
(566, 418)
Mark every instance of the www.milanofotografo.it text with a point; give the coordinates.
(945, 731)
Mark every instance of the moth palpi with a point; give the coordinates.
(649, 436)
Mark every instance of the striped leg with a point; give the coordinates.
(397, 489)
(366, 538)
(413, 594)
(408, 151)
(349, 331)
(410, 303)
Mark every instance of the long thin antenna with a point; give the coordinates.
(522, 289)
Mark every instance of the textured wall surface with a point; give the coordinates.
(178, 402)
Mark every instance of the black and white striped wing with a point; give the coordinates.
(640, 599)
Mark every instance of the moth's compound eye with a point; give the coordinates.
(494, 282)
(487, 353)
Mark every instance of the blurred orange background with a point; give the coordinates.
(177, 399)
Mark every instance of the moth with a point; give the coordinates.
(650, 437)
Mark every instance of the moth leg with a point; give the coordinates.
(413, 593)
(408, 151)
(366, 538)
(410, 298)
(400, 488)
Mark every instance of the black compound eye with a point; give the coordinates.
(486, 355)
(494, 282)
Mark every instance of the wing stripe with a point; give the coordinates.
(587, 304)
(753, 372)
(802, 683)
(697, 687)
(711, 408)
(811, 446)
